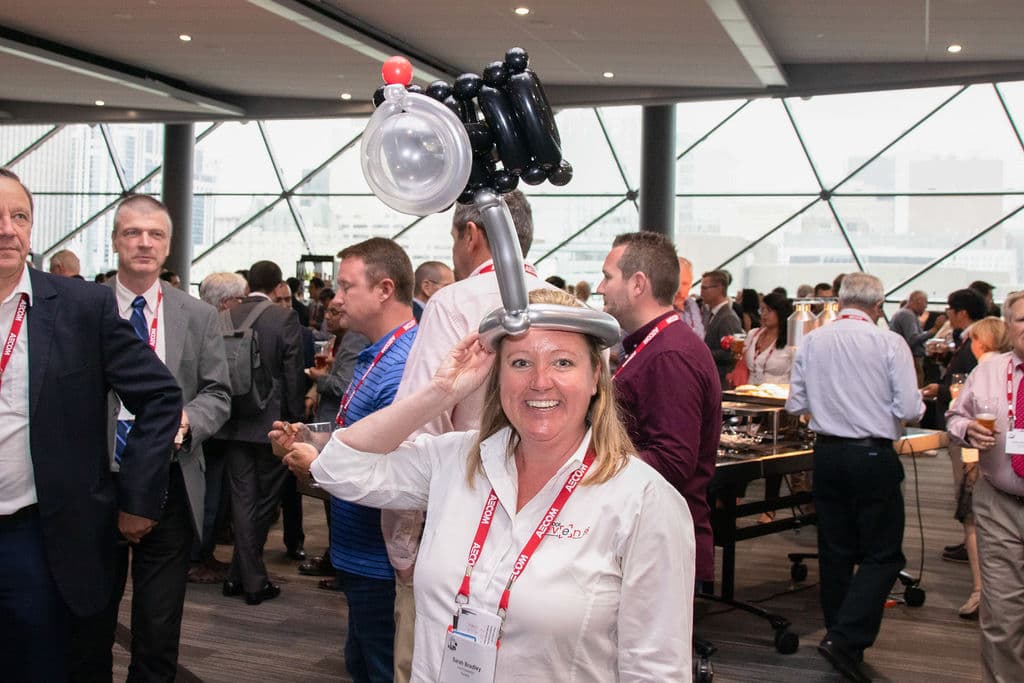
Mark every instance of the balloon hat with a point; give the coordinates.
(423, 150)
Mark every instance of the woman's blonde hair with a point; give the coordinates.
(609, 439)
(992, 333)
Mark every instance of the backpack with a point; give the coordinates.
(251, 380)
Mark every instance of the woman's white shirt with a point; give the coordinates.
(772, 365)
(608, 595)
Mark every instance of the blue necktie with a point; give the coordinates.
(138, 323)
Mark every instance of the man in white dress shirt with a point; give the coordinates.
(451, 314)
(857, 382)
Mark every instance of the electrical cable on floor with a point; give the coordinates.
(758, 601)
(917, 503)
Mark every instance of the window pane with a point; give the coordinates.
(233, 158)
(581, 259)
(74, 160)
(842, 131)
(807, 250)
(301, 146)
(14, 140)
(221, 215)
(139, 148)
(756, 151)
(623, 126)
(584, 146)
(968, 146)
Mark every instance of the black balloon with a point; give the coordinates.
(536, 120)
(503, 181)
(481, 172)
(418, 89)
(467, 111)
(495, 74)
(467, 86)
(516, 60)
(453, 105)
(534, 175)
(378, 97)
(439, 90)
(561, 175)
(467, 196)
(501, 118)
(480, 139)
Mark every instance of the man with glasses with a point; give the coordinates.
(721, 320)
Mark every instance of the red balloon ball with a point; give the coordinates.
(397, 70)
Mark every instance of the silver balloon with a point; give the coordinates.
(415, 153)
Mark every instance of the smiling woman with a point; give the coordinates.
(610, 599)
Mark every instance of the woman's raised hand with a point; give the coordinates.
(465, 368)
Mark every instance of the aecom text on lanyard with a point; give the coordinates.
(353, 387)
(674, 318)
(156, 317)
(12, 336)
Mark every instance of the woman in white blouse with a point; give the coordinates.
(608, 593)
(766, 354)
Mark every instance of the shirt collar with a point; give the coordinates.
(633, 340)
(476, 271)
(855, 313)
(24, 286)
(259, 295)
(721, 304)
(370, 352)
(496, 456)
(125, 297)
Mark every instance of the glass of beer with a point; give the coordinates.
(322, 353)
(738, 343)
(985, 410)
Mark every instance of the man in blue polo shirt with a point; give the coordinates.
(374, 295)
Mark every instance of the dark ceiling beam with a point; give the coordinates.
(57, 55)
(333, 23)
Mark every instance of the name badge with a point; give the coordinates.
(1015, 442)
(467, 661)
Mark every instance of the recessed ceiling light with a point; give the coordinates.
(184, 37)
(954, 48)
(522, 11)
(346, 96)
(100, 103)
(608, 74)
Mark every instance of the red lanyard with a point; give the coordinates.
(853, 316)
(12, 337)
(531, 545)
(156, 318)
(674, 318)
(489, 268)
(1009, 394)
(353, 388)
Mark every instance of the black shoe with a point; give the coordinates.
(296, 553)
(951, 548)
(268, 592)
(844, 661)
(231, 589)
(317, 566)
(958, 555)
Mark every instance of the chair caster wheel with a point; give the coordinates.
(786, 642)
(914, 596)
(703, 672)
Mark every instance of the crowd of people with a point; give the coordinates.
(141, 425)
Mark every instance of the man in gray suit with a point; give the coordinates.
(255, 475)
(720, 320)
(185, 333)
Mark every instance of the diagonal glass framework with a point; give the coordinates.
(924, 187)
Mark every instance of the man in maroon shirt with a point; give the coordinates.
(667, 385)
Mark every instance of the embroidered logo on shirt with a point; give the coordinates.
(568, 531)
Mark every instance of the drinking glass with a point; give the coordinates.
(985, 410)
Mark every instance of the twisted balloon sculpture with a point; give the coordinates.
(423, 150)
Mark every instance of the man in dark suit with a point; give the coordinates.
(429, 277)
(60, 507)
(185, 334)
(720, 320)
(255, 475)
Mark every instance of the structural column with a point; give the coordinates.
(179, 149)
(658, 174)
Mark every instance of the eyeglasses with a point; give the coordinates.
(711, 286)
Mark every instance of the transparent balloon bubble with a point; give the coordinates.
(415, 153)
